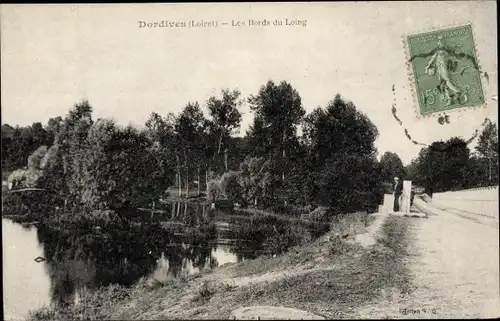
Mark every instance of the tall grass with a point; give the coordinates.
(94, 305)
(276, 233)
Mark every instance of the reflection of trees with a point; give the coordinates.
(188, 213)
(67, 276)
(123, 252)
(78, 258)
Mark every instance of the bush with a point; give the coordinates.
(320, 214)
(213, 190)
(25, 178)
(35, 159)
(230, 186)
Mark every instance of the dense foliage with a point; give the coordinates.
(450, 165)
(98, 164)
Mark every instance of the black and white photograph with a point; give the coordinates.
(250, 161)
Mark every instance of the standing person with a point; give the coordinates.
(398, 190)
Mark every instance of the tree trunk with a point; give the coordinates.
(179, 180)
(187, 173)
(199, 182)
(220, 144)
(207, 169)
(225, 159)
(283, 158)
(489, 169)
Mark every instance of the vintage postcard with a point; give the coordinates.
(250, 160)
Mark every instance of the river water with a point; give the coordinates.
(77, 261)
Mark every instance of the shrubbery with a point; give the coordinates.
(320, 214)
(25, 178)
(213, 190)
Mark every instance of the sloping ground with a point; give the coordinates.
(444, 266)
(454, 258)
(334, 277)
(333, 280)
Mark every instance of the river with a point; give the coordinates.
(76, 261)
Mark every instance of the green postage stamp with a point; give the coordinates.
(445, 70)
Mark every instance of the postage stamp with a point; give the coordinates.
(444, 70)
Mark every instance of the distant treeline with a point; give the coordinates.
(98, 164)
(451, 165)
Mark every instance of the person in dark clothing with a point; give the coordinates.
(398, 190)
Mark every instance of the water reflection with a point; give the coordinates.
(79, 258)
(183, 239)
(26, 283)
(168, 268)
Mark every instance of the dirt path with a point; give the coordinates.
(455, 266)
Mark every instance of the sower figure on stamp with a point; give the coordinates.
(398, 190)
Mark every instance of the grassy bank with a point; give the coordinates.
(329, 277)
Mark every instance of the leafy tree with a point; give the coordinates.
(258, 138)
(162, 135)
(230, 186)
(54, 126)
(443, 165)
(190, 128)
(226, 117)
(348, 184)
(35, 159)
(120, 166)
(255, 180)
(487, 148)
(343, 172)
(72, 140)
(279, 109)
(391, 166)
(52, 167)
(18, 143)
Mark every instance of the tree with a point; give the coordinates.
(443, 165)
(54, 126)
(161, 133)
(52, 167)
(230, 186)
(487, 148)
(225, 116)
(279, 109)
(121, 165)
(340, 128)
(391, 166)
(72, 140)
(190, 128)
(341, 170)
(258, 138)
(348, 184)
(18, 143)
(35, 159)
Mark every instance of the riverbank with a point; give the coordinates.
(332, 276)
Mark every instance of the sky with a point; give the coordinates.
(53, 56)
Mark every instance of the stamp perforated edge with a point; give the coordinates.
(411, 76)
